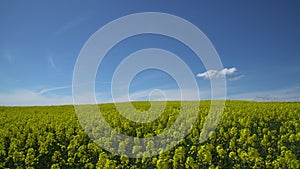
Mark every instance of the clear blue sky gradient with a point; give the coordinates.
(40, 42)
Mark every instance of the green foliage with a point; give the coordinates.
(249, 135)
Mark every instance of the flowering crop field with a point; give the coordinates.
(249, 135)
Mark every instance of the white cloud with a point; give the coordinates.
(208, 74)
(212, 74)
(227, 71)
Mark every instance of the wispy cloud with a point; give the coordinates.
(26, 98)
(157, 95)
(51, 62)
(43, 91)
(266, 98)
(69, 25)
(236, 78)
(7, 55)
(285, 94)
(212, 74)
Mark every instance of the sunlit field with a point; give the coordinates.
(250, 134)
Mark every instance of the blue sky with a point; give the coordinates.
(40, 42)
